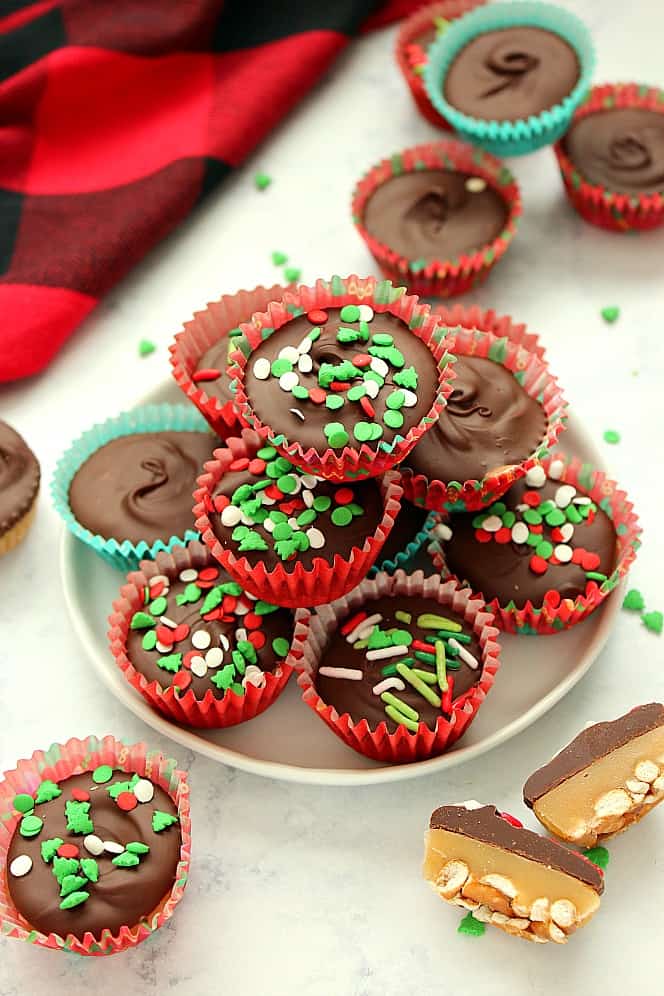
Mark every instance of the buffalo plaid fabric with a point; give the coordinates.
(117, 117)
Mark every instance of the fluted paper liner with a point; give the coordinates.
(611, 209)
(365, 460)
(312, 633)
(442, 277)
(401, 557)
(291, 584)
(534, 376)
(502, 326)
(202, 332)
(558, 613)
(62, 761)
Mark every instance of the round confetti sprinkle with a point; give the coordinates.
(188, 575)
(363, 431)
(280, 644)
(80, 795)
(182, 680)
(279, 367)
(93, 844)
(112, 847)
(563, 553)
(289, 353)
(336, 435)
(343, 496)
(288, 483)
(318, 396)
(68, 851)
(23, 803)
(536, 477)
(317, 316)
(126, 801)
(334, 402)
(201, 639)
(214, 657)
(350, 313)
(383, 339)
(144, 790)
(611, 436)
(102, 774)
(475, 184)
(198, 666)
(30, 826)
(342, 516)
(366, 312)
(158, 607)
(316, 538)
(261, 368)
(231, 516)
(149, 640)
(288, 381)
(21, 865)
(392, 419)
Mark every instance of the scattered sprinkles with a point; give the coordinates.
(292, 274)
(262, 181)
(145, 347)
(611, 436)
(610, 314)
(634, 601)
(279, 258)
(654, 621)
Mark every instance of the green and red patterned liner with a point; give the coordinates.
(556, 613)
(534, 376)
(209, 712)
(502, 326)
(412, 57)
(202, 332)
(611, 209)
(366, 460)
(59, 762)
(444, 277)
(312, 633)
(291, 584)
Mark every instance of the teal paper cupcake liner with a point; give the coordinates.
(125, 556)
(510, 138)
(401, 559)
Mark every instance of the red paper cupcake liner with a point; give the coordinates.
(59, 762)
(312, 631)
(209, 712)
(536, 380)
(324, 581)
(440, 278)
(558, 613)
(502, 326)
(411, 57)
(351, 462)
(607, 208)
(202, 332)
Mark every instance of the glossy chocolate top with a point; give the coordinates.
(19, 477)
(621, 149)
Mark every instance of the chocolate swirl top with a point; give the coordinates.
(19, 477)
(512, 73)
(621, 149)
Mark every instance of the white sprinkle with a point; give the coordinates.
(305, 364)
(384, 652)
(241, 609)
(262, 368)
(254, 676)
(309, 481)
(167, 621)
(248, 594)
(112, 847)
(246, 519)
(364, 627)
(563, 553)
(201, 639)
(268, 525)
(214, 657)
(21, 865)
(293, 523)
(521, 507)
(492, 524)
(163, 648)
(556, 468)
(371, 388)
(442, 532)
(188, 575)
(144, 790)
(198, 666)
(564, 495)
(475, 184)
(520, 532)
(290, 353)
(473, 804)
(567, 531)
(240, 634)
(316, 538)
(366, 312)
(93, 844)
(351, 673)
(384, 686)
(230, 515)
(164, 580)
(464, 654)
(224, 641)
(536, 477)
(288, 381)
(305, 346)
(583, 500)
(410, 398)
(379, 366)
(298, 413)
(308, 498)
(268, 501)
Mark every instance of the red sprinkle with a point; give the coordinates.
(419, 645)
(180, 632)
(127, 800)
(212, 616)
(208, 574)
(317, 316)
(556, 535)
(367, 407)
(538, 565)
(317, 395)
(553, 560)
(240, 464)
(188, 657)
(339, 385)
(536, 528)
(512, 820)
(503, 535)
(531, 498)
(482, 536)
(68, 850)
(256, 638)
(207, 373)
(590, 518)
(181, 680)
(256, 466)
(228, 604)
(577, 555)
(353, 622)
(448, 696)
(156, 589)
(361, 360)
(552, 598)
(274, 492)
(343, 496)
(591, 561)
(165, 635)
(80, 795)
(208, 504)
(220, 502)
(252, 621)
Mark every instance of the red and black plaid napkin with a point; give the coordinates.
(117, 117)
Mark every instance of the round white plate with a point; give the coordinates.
(289, 741)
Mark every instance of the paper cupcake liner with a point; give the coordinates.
(510, 138)
(59, 762)
(123, 555)
(502, 326)
(440, 278)
(555, 613)
(209, 712)
(607, 208)
(312, 631)
(534, 376)
(401, 558)
(411, 57)
(19, 531)
(202, 332)
(351, 462)
(325, 580)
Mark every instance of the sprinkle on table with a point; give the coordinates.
(598, 855)
(292, 274)
(262, 181)
(611, 436)
(634, 601)
(610, 314)
(279, 258)
(145, 347)
(470, 926)
(654, 621)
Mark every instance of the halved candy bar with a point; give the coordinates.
(506, 875)
(607, 778)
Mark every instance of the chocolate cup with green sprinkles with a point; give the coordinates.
(30, 789)
(195, 645)
(407, 741)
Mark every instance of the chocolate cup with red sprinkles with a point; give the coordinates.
(199, 354)
(196, 646)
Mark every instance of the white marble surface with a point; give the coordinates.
(308, 891)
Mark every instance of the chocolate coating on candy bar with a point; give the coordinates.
(621, 149)
(487, 826)
(591, 745)
(511, 73)
(19, 478)
(432, 215)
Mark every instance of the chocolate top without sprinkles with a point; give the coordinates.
(435, 214)
(621, 148)
(100, 857)
(402, 633)
(342, 377)
(139, 487)
(19, 477)
(591, 745)
(488, 826)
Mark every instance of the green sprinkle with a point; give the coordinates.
(248, 651)
(223, 678)
(333, 402)
(610, 314)
(74, 899)
(382, 339)
(406, 378)
(90, 869)
(389, 671)
(314, 334)
(392, 419)
(145, 347)
(441, 674)
(238, 662)
(404, 617)
(77, 815)
(280, 366)
(149, 641)
(459, 637)
(266, 452)
(262, 608)
(596, 576)
(141, 620)
(401, 638)
(403, 707)
(30, 826)
(287, 483)
(299, 392)
(191, 594)
(378, 640)
(336, 435)
(363, 431)
(279, 258)
(611, 436)
(322, 503)
(280, 646)
(341, 516)
(532, 517)
(405, 672)
(116, 788)
(423, 655)
(47, 791)
(23, 802)
(137, 847)
(573, 515)
(171, 662)
(544, 549)
(126, 860)
(262, 181)
(349, 335)
(634, 601)
(356, 392)
(428, 677)
(396, 400)
(350, 313)
(556, 517)
(282, 531)
(161, 821)
(470, 926)
(252, 541)
(72, 883)
(49, 848)
(307, 517)
(429, 620)
(292, 274)
(159, 606)
(651, 620)
(63, 867)
(402, 720)
(598, 855)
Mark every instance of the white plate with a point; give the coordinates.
(289, 741)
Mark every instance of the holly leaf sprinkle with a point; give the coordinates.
(213, 598)
(137, 847)
(78, 820)
(74, 899)
(49, 848)
(72, 883)
(142, 620)
(126, 860)
(47, 791)
(161, 821)
(90, 869)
